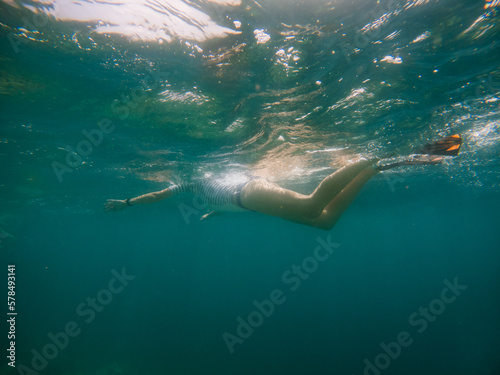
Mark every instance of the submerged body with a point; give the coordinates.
(320, 209)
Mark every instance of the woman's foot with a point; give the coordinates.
(415, 160)
(424, 160)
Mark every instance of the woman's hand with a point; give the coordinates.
(206, 216)
(115, 205)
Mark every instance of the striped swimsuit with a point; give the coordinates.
(212, 192)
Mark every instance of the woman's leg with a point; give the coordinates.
(267, 198)
(332, 185)
(334, 210)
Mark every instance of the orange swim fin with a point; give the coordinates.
(449, 146)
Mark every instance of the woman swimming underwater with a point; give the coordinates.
(321, 209)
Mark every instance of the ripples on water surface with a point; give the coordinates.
(282, 89)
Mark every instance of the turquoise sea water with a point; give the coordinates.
(112, 100)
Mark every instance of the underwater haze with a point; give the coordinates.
(114, 99)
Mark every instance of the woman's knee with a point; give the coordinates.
(311, 208)
(321, 224)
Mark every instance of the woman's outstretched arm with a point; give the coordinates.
(156, 196)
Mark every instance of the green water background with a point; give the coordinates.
(236, 109)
